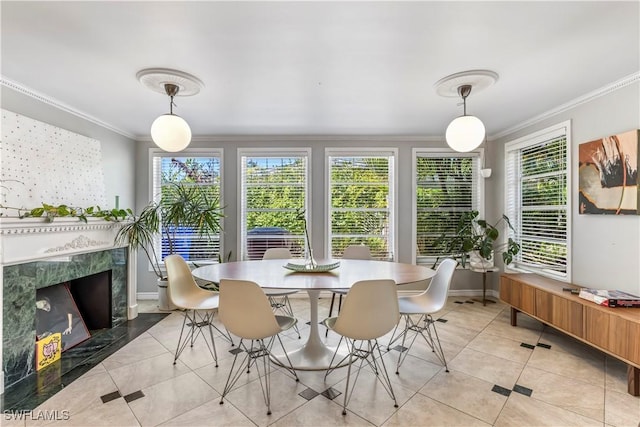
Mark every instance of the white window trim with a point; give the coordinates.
(440, 152)
(276, 152)
(188, 152)
(559, 129)
(359, 152)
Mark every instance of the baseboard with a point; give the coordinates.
(147, 295)
(132, 311)
(1, 382)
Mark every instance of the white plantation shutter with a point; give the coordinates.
(198, 168)
(274, 186)
(447, 185)
(538, 200)
(362, 201)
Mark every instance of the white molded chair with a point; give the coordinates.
(350, 252)
(370, 311)
(424, 305)
(198, 304)
(245, 312)
(279, 298)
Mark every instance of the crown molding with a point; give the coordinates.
(308, 138)
(588, 97)
(18, 87)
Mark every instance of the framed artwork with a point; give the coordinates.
(608, 175)
(57, 313)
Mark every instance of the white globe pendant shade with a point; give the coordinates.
(171, 133)
(465, 133)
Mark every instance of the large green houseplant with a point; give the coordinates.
(183, 207)
(474, 237)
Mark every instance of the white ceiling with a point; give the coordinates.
(318, 68)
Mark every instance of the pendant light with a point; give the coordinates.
(465, 133)
(169, 131)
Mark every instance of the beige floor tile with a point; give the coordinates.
(98, 369)
(455, 335)
(422, 350)
(523, 411)
(414, 372)
(217, 377)
(468, 320)
(526, 332)
(199, 355)
(320, 411)
(566, 393)
(113, 413)
(13, 419)
(211, 413)
(423, 411)
(465, 393)
(143, 347)
(586, 368)
(495, 370)
(563, 342)
(78, 396)
(147, 372)
(622, 409)
(284, 399)
(170, 398)
(504, 348)
(370, 400)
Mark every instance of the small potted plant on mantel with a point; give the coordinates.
(184, 207)
(475, 240)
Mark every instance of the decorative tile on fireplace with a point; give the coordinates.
(19, 300)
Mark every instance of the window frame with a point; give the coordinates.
(391, 152)
(536, 138)
(155, 196)
(276, 153)
(478, 188)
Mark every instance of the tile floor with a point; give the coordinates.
(500, 375)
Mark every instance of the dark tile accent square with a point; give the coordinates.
(133, 396)
(111, 396)
(469, 302)
(458, 302)
(308, 323)
(236, 350)
(501, 390)
(529, 346)
(547, 346)
(308, 393)
(400, 348)
(522, 390)
(442, 320)
(331, 393)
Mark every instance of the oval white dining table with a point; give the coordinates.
(314, 354)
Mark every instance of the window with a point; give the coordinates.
(361, 201)
(537, 200)
(189, 167)
(274, 191)
(446, 185)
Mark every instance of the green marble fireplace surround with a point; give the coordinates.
(20, 283)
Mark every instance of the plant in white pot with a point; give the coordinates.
(183, 208)
(475, 241)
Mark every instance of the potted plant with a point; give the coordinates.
(183, 208)
(475, 240)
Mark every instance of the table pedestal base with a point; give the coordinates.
(314, 355)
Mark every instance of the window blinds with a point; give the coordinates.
(537, 201)
(274, 192)
(198, 169)
(446, 186)
(361, 202)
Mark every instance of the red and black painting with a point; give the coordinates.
(608, 175)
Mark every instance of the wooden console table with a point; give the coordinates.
(615, 331)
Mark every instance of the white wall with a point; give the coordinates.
(118, 152)
(606, 248)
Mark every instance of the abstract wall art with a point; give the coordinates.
(608, 175)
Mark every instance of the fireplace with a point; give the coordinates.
(36, 255)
